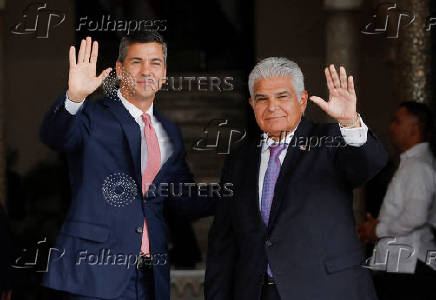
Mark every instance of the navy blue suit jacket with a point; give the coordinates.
(310, 242)
(103, 140)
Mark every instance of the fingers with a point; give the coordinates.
(343, 77)
(88, 49)
(94, 53)
(320, 102)
(335, 77)
(351, 85)
(81, 55)
(72, 56)
(329, 79)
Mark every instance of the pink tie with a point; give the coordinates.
(151, 170)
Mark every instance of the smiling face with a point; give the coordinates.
(142, 71)
(276, 106)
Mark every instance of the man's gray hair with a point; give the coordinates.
(277, 67)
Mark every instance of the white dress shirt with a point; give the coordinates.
(408, 211)
(355, 137)
(166, 148)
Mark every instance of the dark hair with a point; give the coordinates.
(141, 37)
(426, 121)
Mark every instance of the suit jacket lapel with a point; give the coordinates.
(290, 162)
(132, 132)
(252, 171)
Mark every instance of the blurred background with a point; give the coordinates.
(389, 50)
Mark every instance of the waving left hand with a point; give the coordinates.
(342, 96)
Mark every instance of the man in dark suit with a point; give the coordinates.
(125, 160)
(288, 231)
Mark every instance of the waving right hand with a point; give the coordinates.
(82, 79)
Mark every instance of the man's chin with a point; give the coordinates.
(145, 93)
(277, 132)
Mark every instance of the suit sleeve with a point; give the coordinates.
(222, 252)
(61, 130)
(183, 197)
(360, 164)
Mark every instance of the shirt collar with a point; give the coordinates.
(267, 141)
(133, 110)
(416, 150)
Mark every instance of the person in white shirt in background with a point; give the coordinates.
(404, 232)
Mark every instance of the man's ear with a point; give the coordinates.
(303, 101)
(164, 77)
(251, 102)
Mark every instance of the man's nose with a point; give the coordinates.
(272, 105)
(145, 69)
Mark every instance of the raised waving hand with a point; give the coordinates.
(82, 78)
(342, 96)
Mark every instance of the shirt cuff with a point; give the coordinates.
(356, 136)
(381, 230)
(71, 106)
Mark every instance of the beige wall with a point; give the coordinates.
(36, 71)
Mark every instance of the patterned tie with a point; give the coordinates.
(150, 172)
(269, 183)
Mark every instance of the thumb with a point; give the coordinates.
(320, 102)
(104, 74)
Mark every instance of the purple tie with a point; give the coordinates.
(269, 182)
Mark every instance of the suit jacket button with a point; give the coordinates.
(268, 243)
(139, 229)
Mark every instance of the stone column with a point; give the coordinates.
(342, 38)
(413, 59)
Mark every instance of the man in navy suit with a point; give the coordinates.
(288, 231)
(125, 160)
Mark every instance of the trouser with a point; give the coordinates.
(140, 287)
